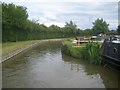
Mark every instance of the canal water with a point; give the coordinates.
(46, 67)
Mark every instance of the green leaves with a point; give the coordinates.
(17, 27)
(14, 15)
(100, 26)
(13, 21)
(71, 27)
(93, 53)
(118, 29)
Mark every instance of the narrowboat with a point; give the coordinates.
(111, 52)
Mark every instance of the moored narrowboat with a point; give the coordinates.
(111, 52)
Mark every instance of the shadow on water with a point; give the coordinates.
(46, 67)
(111, 78)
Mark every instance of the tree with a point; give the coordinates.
(71, 27)
(17, 27)
(118, 29)
(87, 32)
(13, 22)
(100, 26)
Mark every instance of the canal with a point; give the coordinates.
(46, 67)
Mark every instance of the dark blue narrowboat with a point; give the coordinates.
(111, 52)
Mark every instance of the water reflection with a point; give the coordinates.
(46, 67)
(111, 79)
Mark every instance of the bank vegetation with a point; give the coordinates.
(90, 51)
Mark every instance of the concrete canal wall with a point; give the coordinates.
(15, 52)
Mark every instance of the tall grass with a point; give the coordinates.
(90, 52)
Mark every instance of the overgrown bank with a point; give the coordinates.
(89, 51)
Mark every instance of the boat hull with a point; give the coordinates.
(111, 52)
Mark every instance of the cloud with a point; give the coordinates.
(83, 13)
(61, 1)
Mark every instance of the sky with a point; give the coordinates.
(81, 12)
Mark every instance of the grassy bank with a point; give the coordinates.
(0, 49)
(89, 51)
(11, 46)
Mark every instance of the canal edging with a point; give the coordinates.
(14, 53)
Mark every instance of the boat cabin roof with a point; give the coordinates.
(79, 38)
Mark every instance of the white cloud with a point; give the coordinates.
(56, 23)
(81, 12)
(61, 1)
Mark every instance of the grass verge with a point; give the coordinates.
(11, 46)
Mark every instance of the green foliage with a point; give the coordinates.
(17, 27)
(113, 32)
(90, 52)
(100, 26)
(87, 32)
(72, 27)
(13, 22)
(69, 50)
(118, 29)
(93, 53)
(0, 23)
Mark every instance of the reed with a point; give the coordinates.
(91, 52)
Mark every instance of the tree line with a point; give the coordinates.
(17, 27)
